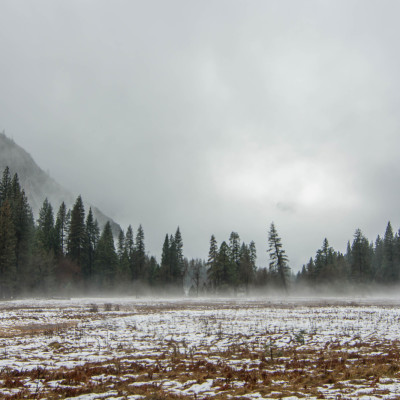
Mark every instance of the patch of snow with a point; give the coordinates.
(200, 387)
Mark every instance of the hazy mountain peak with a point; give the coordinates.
(38, 184)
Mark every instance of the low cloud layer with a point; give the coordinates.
(214, 116)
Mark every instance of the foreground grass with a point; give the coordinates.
(218, 363)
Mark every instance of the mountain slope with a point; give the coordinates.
(38, 184)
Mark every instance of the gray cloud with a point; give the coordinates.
(216, 116)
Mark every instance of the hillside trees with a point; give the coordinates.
(5, 186)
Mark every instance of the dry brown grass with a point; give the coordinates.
(241, 368)
(296, 382)
(295, 373)
(36, 329)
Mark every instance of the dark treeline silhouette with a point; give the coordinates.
(65, 252)
(364, 263)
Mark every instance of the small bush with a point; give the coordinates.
(94, 308)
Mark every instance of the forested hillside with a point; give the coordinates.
(37, 183)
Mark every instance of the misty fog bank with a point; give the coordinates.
(371, 294)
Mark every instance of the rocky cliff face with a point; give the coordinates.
(38, 184)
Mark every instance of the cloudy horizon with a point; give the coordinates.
(215, 116)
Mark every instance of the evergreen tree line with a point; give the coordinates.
(66, 252)
(232, 266)
(364, 262)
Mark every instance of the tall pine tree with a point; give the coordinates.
(45, 228)
(212, 269)
(140, 254)
(361, 264)
(7, 252)
(279, 261)
(92, 235)
(61, 231)
(76, 238)
(106, 262)
(389, 269)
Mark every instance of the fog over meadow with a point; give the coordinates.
(216, 116)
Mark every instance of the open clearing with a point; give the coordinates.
(198, 349)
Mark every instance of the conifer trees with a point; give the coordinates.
(130, 251)
(172, 266)
(5, 186)
(177, 256)
(106, 262)
(361, 267)
(231, 267)
(224, 268)
(45, 228)
(389, 268)
(76, 237)
(279, 262)
(124, 274)
(246, 267)
(212, 272)
(165, 269)
(61, 231)
(140, 254)
(7, 252)
(91, 239)
(24, 231)
(17, 234)
(72, 253)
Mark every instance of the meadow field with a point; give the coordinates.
(262, 348)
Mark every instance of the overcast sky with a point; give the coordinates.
(216, 116)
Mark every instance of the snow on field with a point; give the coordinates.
(255, 349)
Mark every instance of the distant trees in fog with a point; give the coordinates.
(66, 252)
(231, 266)
(69, 252)
(363, 263)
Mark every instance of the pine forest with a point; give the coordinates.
(65, 252)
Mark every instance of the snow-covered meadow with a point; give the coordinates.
(216, 348)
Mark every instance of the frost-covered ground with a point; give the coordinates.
(156, 349)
